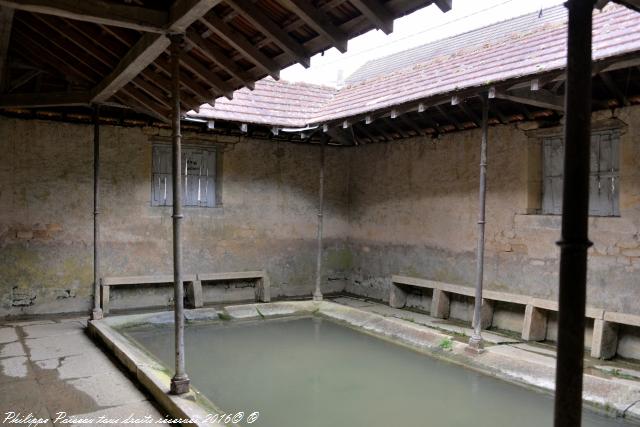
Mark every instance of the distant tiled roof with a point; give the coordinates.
(274, 103)
(531, 51)
(453, 44)
(524, 46)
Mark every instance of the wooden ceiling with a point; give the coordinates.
(115, 52)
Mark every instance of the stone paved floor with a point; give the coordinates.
(49, 367)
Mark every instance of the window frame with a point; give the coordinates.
(187, 146)
(535, 174)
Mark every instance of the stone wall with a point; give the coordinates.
(267, 220)
(414, 207)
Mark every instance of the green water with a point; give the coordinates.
(312, 372)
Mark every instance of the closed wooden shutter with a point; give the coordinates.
(198, 177)
(604, 177)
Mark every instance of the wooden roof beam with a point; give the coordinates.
(207, 75)
(33, 100)
(241, 44)
(211, 51)
(98, 12)
(249, 11)
(319, 21)
(449, 117)
(6, 21)
(444, 5)
(376, 13)
(150, 46)
(540, 98)
(613, 88)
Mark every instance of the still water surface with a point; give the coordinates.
(313, 372)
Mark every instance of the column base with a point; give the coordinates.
(317, 296)
(180, 385)
(97, 314)
(475, 345)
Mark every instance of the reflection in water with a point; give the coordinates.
(313, 372)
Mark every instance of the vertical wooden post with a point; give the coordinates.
(96, 313)
(475, 342)
(574, 240)
(317, 294)
(180, 381)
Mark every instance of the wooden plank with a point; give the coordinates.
(240, 275)
(149, 47)
(6, 21)
(376, 13)
(270, 29)
(319, 21)
(97, 11)
(241, 44)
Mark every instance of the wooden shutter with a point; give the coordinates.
(553, 166)
(162, 190)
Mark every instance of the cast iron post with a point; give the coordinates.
(180, 381)
(96, 313)
(574, 240)
(475, 342)
(317, 294)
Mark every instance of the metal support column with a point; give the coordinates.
(317, 294)
(180, 381)
(574, 240)
(475, 342)
(96, 313)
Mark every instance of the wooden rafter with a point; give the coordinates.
(196, 67)
(150, 46)
(611, 85)
(376, 13)
(319, 21)
(270, 29)
(6, 21)
(469, 112)
(97, 11)
(539, 98)
(48, 56)
(449, 118)
(45, 99)
(240, 43)
(211, 51)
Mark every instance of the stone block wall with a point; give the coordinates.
(267, 219)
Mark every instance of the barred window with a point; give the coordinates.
(604, 180)
(198, 176)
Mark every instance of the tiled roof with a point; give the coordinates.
(524, 46)
(274, 103)
(453, 44)
(523, 53)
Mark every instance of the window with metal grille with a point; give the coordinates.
(198, 176)
(604, 177)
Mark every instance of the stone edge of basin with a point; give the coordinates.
(515, 366)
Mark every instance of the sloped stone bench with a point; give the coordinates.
(534, 328)
(193, 283)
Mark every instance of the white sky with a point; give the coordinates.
(420, 27)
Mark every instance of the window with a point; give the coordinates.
(604, 176)
(198, 176)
